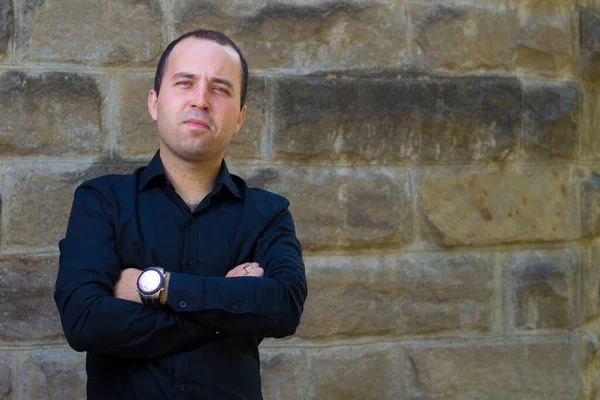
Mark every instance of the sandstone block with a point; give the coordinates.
(504, 370)
(51, 113)
(589, 356)
(6, 28)
(398, 294)
(26, 290)
(589, 42)
(471, 206)
(545, 42)
(354, 372)
(542, 289)
(590, 199)
(52, 373)
(551, 120)
(304, 36)
(463, 38)
(342, 208)
(590, 124)
(591, 284)
(37, 199)
(381, 120)
(283, 372)
(6, 375)
(90, 32)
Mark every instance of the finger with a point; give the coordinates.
(257, 272)
(237, 271)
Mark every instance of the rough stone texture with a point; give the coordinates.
(284, 373)
(589, 354)
(38, 199)
(542, 289)
(52, 374)
(468, 37)
(590, 124)
(483, 206)
(463, 37)
(306, 36)
(590, 199)
(340, 373)
(589, 42)
(26, 290)
(591, 283)
(6, 28)
(5, 375)
(394, 119)
(398, 295)
(51, 113)
(91, 31)
(342, 208)
(137, 131)
(492, 371)
(550, 121)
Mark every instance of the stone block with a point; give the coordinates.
(545, 42)
(283, 372)
(52, 113)
(542, 289)
(589, 356)
(344, 207)
(37, 199)
(463, 38)
(467, 206)
(494, 371)
(6, 374)
(51, 373)
(413, 293)
(354, 373)
(551, 121)
(7, 29)
(591, 283)
(590, 199)
(590, 124)
(589, 43)
(392, 120)
(305, 36)
(90, 31)
(26, 290)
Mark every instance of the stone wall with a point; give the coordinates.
(442, 159)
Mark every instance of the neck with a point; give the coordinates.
(193, 181)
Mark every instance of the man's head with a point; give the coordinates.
(203, 34)
(202, 89)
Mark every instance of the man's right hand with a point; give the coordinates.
(246, 269)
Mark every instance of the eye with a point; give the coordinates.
(184, 83)
(221, 89)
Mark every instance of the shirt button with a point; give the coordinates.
(192, 219)
(181, 387)
(182, 304)
(189, 261)
(235, 306)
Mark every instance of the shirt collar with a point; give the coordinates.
(155, 169)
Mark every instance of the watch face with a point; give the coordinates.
(149, 282)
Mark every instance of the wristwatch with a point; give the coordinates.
(150, 284)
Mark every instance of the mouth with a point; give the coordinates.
(197, 124)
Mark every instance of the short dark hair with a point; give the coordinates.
(204, 34)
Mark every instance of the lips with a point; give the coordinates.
(197, 123)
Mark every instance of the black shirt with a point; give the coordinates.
(204, 343)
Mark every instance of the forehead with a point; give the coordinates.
(205, 57)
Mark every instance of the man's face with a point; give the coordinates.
(198, 108)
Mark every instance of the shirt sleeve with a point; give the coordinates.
(92, 319)
(270, 306)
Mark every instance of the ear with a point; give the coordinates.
(241, 119)
(153, 104)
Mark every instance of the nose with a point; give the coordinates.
(201, 98)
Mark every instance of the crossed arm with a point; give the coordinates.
(101, 312)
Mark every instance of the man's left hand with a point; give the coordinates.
(126, 286)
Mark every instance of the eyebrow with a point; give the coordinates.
(189, 75)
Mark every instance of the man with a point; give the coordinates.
(170, 277)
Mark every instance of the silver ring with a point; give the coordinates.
(248, 269)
